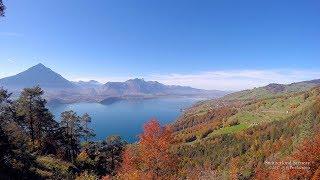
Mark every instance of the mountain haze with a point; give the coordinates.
(58, 88)
(142, 87)
(88, 84)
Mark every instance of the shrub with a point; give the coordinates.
(191, 138)
(51, 163)
(206, 133)
(53, 168)
(232, 123)
(87, 176)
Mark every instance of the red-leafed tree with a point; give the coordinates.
(260, 173)
(307, 162)
(234, 168)
(130, 164)
(151, 158)
(308, 152)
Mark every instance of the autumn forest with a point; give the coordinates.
(233, 87)
(225, 142)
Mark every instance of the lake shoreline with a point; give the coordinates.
(126, 117)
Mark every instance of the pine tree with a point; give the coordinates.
(87, 131)
(37, 119)
(15, 158)
(72, 131)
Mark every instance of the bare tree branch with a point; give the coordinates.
(2, 8)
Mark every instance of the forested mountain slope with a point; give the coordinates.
(237, 138)
(242, 97)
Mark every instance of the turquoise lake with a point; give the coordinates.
(126, 118)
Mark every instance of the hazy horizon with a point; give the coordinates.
(267, 77)
(220, 45)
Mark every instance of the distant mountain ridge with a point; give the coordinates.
(88, 84)
(142, 87)
(133, 87)
(272, 90)
(59, 89)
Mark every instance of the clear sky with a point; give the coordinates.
(211, 44)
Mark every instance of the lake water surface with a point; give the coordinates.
(126, 118)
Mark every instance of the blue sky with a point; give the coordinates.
(211, 44)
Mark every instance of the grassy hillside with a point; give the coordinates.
(248, 96)
(272, 90)
(250, 132)
(242, 115)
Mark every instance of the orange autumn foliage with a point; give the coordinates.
(309, 152)
(234, 164)
(316, 175)
(151, 158)
(308, 157)
(130, 165)
(106, 177)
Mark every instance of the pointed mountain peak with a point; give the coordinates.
(40, 66)
(37, 75)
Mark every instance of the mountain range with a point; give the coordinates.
(60, 89)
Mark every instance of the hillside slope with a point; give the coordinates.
(247, 133)
(272, 90)
(241, 97)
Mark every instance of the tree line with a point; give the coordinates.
(33, 145)
(28, 130)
